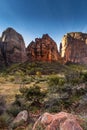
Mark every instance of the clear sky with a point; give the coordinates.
(33, 18)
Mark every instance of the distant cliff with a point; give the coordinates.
(43, 49)
(74, 47)
(15, 48)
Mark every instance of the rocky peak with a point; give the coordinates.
(74, 46)
(46, 36)
(77, 35)
(11, 34)
(15, 49)
(43, 49)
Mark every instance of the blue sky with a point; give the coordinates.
(33, 18)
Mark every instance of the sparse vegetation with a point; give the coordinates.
(5, 120)
(39, 87)
(30, 98)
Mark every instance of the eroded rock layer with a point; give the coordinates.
(74, 47)
(43, 49)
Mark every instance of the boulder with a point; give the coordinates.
(15, 48)
(74, 47)
(20, 119)
(61, 121)
(43, 49)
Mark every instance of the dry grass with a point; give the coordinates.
(9, 90)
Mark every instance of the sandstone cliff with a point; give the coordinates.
(43, 49)
(15, 48)
(74, 47)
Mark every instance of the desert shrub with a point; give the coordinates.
(17, 124)
(84, 77)
(38, 73)
(55, 84)
(55, 80)
(11, 78)
(5, 120)
(83, 117)
(40, 127)
(63, 94)
(84, 126)
(2, 80)
(26, 79)
(30, 98)
(59, 93)
(75, 81)
(58, 102)
(75, 78)
(2, 104)
(23, 91)
(30, 126)
(53, 104)
(13, 110)
(21, 128)
(34, 95)
(32, 71)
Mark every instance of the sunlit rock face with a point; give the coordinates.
(15, 49)
(58, 121)
(74, 47)
(43, 49)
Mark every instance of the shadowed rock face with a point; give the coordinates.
(0, 39)
(43, 49)
(15, 50)
(3, 56)
(74, 47)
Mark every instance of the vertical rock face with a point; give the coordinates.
(43, 49)
(0, 39)
(3, 57)
(15, 49)
(74, 47)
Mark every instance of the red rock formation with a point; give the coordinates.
(43, 49)
(61, 121)
(74, 47)
(15, 50)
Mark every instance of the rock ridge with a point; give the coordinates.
(43, 49)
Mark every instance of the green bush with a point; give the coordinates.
(83, 117)
(2, 80)
(63, 94)
(4, 121)
(84, 76)
(11, 78)
(38, 73)
(30, 98)
(55, 80)
(13, 110)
